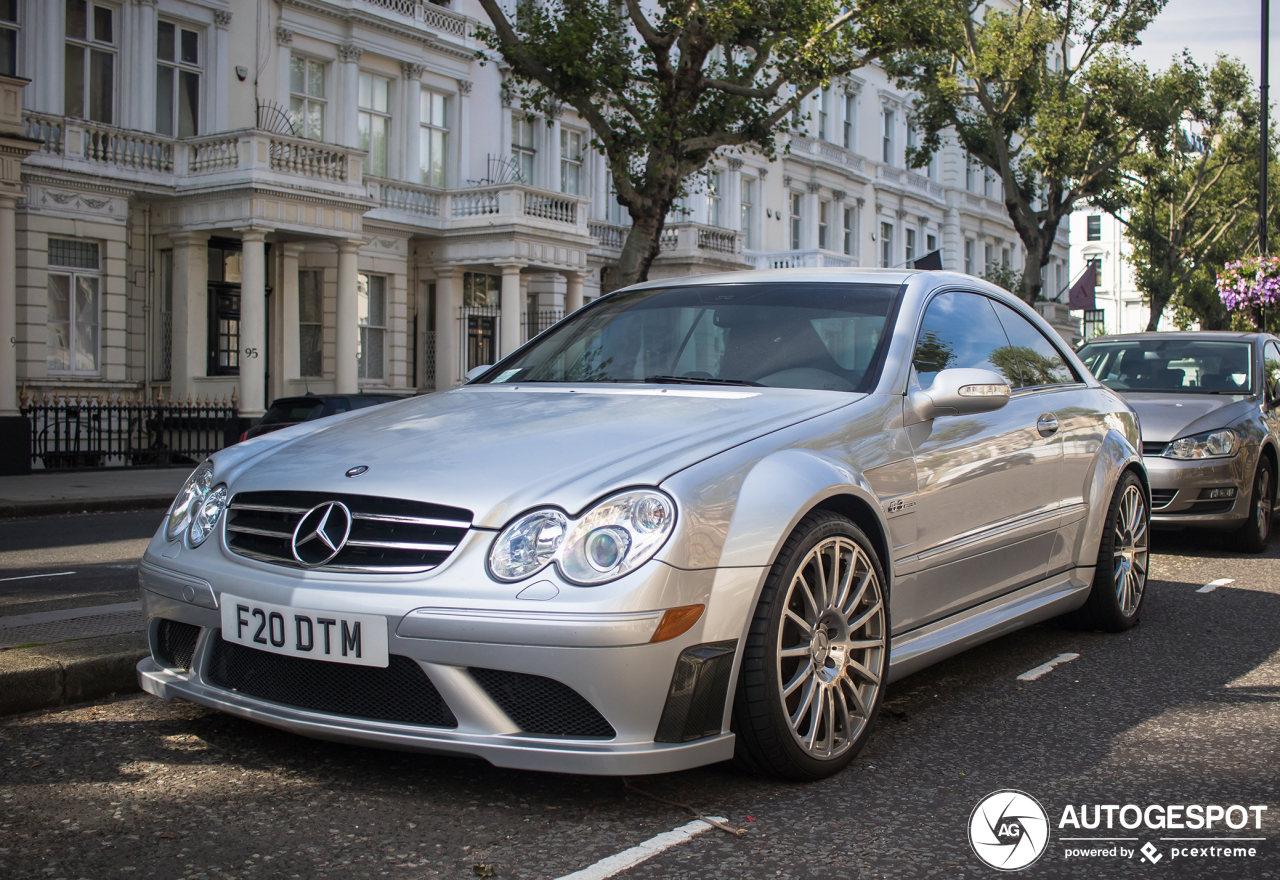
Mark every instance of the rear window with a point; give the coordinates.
(288, 411)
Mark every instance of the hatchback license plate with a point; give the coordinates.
(337, 637)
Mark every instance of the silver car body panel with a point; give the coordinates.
(744, 465)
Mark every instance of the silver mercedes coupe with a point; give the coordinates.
(696, 520)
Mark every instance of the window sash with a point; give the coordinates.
(307, 101)
(886, 245)
(796, 225)
(72, 321)
(371, 312)
(311, 323)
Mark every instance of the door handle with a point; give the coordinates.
(1047, 425)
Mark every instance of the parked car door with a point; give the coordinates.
(1270, 376)
(987, 502)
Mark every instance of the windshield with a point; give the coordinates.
(820, 336)
(293, 410)
(1188, 366)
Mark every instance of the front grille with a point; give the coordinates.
(1211, 506)
(175, 644)
(401, 692)
(543, 705)
(387, 534)
(1162, 498)
(1153, 448)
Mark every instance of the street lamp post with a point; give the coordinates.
(1265, 153)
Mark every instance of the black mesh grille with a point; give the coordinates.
(543, 705)
(695, 700)
(401, 692)
(1153, 448)
(175, 644)
(1162, 497)
(396, 534)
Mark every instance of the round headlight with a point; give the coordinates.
(606, 547)
(188, 501)
(206, 516)
(528, 545)
(618, 535)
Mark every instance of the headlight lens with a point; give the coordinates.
(188, 502)
(206, 516)
(1222, 443)
(616, 536)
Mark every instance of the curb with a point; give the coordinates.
(69, 672)
(12, 510)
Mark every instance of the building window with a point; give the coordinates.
(1096, 263)
(968, 256)
(9, 37)
(850, 122)
(748, 212)
(522, 151)
(988, 182)
(371, 314)
(307, 96)
(824, 222)
(1059, 273)
(571, 161)
(311, 322)
(968, 172)
(1093, 227)
(715, 189)
(615, 211)
(886, 245)
(72, 315)
(433, 138)
(930, 243)
(481, 290)
(913, 140)
(90, 63)
(988, 258)
(373, 123)
(1005, 258)
(1095, 323)
(177, 80)
(886, 137)
(797, 226)
(824, 113)
(226, 271)
(910, 254)
(851, 231)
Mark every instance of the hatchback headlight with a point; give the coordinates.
(188, 502)
(616, 536)
(1222, 443)
(206, 516)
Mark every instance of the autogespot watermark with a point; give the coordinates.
(1009, 830)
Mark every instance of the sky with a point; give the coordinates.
(1231, 27)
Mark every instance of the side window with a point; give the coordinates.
(961, 330)
(1271, 357)
(1038, 362)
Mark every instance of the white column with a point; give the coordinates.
(731, 199)
(573, 291)
(411, 107)
(215, 117)
(813, 189)
(253, 323)
(290, 363)
(190, 311)
(284, 56)
(8, 308)
(348, 319)
(448, 298)
(553, 154)
(512, 305)
(348, 89)
(138, 73)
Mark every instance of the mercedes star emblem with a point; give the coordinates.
(321, 533)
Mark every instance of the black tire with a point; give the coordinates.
(1120, 581)
(847, 654)
(1255, 534)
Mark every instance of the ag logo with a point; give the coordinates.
(1008, 830)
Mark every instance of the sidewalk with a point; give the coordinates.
(47, 493)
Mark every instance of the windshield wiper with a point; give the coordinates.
(689, 380)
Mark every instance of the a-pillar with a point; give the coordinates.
(573, 291)
(348, 318)
(8, 308)
(290, 344)
(512, 304)
(190, 311)
(448, 335)
(253, 323)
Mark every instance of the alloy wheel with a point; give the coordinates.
(1130, 550)
(1266, 505)
(831, 647)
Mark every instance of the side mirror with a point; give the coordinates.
(961, 392)
(476, 371)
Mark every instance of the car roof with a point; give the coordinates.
(1221, 335)
(797, 276)
(324, 398)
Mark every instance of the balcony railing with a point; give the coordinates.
(494, 204)
(813, 258)
(398, 196)
(698, 237)
(610, 235)
(429, 14)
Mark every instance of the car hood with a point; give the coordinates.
(1169, 416)
(499, 450)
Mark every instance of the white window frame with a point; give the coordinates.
(795, 201)
(367, 116)
(715, 200)
(88, 45)
(571, 164)
(887, 123)
(524, 154)
(909, 245)
(307, 99)
(176, 67)
(824, 224)
(367, 329)
(74, 274)
(747, 211)
(886, 245)
(851, 123)
(14, 27)
(852, 229)
(433, 137)
(314, 277)
(824, 114)
(968, 256)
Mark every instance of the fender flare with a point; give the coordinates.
(1115, 456)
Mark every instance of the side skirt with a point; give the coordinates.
(914, 650)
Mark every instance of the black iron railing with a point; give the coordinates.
(69, 432)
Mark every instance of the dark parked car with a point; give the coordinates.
(286, 411)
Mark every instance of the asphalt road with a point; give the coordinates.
(53, 562)
(1180, 710)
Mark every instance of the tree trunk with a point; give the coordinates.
(1031, 282)
(641, 248)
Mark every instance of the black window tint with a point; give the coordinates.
(1038, 362)
(960, 330)
(289, 411)
(339, 405)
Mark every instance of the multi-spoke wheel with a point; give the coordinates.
(1120, 581)
(815, 660)
(1255, 534)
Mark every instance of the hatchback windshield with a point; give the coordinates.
(1189, 366)
(820, 336)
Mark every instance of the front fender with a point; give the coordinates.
(1115, 456)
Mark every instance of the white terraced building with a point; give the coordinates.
(269, 198)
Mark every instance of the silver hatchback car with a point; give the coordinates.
(696, 520)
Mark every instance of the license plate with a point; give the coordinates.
(338, 637)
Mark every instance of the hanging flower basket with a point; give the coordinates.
(1250, 286)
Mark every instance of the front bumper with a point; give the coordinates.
(1177, 488)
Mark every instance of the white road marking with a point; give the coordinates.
(629, 858)
(66, 614)
(1213, 585)
(27, 577)
(1033, 674)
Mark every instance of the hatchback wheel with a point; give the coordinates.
(1120, 581)
(814, 665)
(1255, 534)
